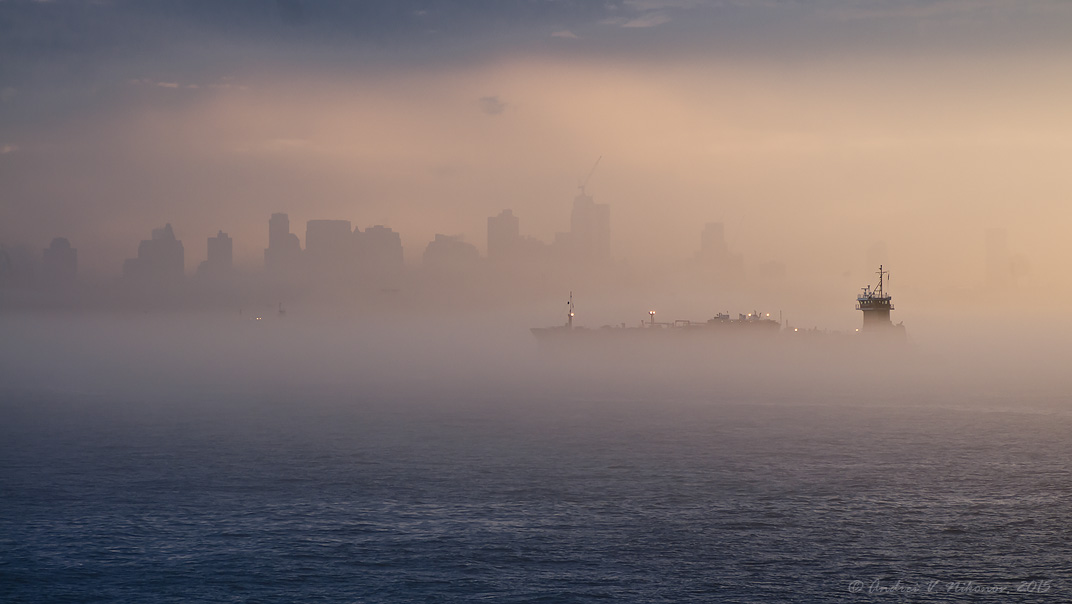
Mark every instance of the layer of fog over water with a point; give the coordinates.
(179, 457)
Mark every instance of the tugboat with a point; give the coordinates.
(876, 305)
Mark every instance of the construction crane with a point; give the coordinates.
(584, 182)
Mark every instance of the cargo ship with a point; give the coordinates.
(875, 303)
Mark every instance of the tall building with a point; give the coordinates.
(504, 234)
(589, 235)
(18, 266)
(507, 247)
(713, 241)
(328, 236)
(7, 271)
(329, 244)
(160, 258)
(59, 263)
(1003, 267)
(220, 255)
(450, 253)
(278, 230)
(221, 250)
(284, 249)
(379, 249)
(715, 254)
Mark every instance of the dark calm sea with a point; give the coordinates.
(530, 498)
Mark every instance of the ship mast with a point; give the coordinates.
(569, 316)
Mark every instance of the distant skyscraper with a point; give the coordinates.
(508, 248)
(160, 258)
(18, 266)
(1003, 268)
(329, 244)
(278, 230)
(220, 255)
(713, 241)
(221, 250)
(284, 249)
(59, 262)
(448, 252)
(772, 270)
(328, 236)
(590, 229)
(6, 269)
(379, 249)
(504, 234)
(715, 254)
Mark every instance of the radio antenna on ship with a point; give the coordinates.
(569, 315)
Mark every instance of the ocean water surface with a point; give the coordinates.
(527, 500)
(539, 490)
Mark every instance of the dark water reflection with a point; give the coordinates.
(534, 497)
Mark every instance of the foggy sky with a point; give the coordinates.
(814, 130)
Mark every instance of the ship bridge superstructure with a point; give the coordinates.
(876, 304)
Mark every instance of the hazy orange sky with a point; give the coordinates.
(814, 130)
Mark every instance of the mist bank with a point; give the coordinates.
(182, 358)
(608, 293)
